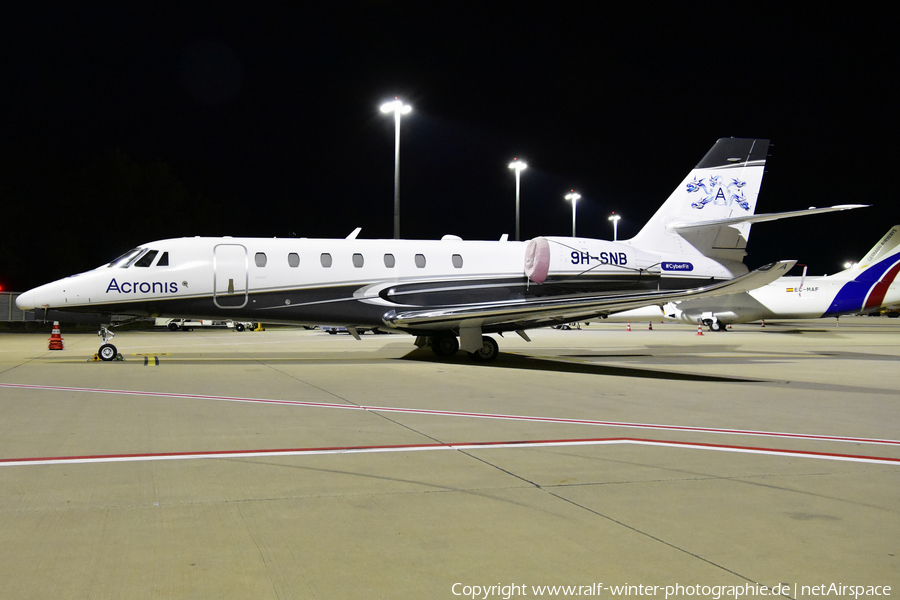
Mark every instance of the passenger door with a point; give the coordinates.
(230, 275)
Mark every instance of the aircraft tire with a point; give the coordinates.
(107, 352)
(713, 325)
(445, 345)
(488, 351)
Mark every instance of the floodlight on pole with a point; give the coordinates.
(518, 166)
(398, 108)
(573, 197)
(615, 219)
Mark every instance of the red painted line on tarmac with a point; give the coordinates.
(138, 457)
(446, 413)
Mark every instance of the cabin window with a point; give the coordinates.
(293, 260)
(325, 259)
(147, 259)
(420, 261)
(457, 261)
(163, 260)
(260, 259)
(358, 261)
(389, 261)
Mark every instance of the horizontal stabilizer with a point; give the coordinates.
(682, 227)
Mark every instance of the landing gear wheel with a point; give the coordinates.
(488, 351)
(446, 345)
(712, 324)
(107, 352)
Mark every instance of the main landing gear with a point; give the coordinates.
(448, 345)
(488, 352)
(714, 325)
(445, 345)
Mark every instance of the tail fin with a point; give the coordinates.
(871, 284)
(885, 247)
(724, 185)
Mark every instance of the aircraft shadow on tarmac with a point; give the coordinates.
(805, 331)
(565, 364)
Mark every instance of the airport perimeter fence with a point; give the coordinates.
(9, 311)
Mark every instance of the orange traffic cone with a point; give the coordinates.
(763, 322)
(56, 341)
(651, 326)
(628, 327)
(699, 327)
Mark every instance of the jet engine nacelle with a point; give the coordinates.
(546, 257)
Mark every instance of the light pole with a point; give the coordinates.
(615, 219)
(398, 108)
(573, 197)
(518, 166)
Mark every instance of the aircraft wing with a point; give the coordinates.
(538, 312)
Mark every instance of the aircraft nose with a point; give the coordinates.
(26, 301)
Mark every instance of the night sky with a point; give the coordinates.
(122, 124)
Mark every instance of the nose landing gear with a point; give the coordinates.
(107, 351)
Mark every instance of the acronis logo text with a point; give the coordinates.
(142, 287)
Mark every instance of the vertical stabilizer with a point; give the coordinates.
(725, 184)
(885, 246)
(888, 245)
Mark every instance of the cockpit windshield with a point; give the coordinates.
(139, 257)
(147, 259)
(126, 259)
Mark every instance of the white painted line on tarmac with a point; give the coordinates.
(110, 458)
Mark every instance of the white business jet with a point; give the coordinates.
(448, 292)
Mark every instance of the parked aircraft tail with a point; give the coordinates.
(871, 282)
(886, 246)
(711, 212)
(723, 186)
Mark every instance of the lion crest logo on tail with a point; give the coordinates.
(715, 190)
